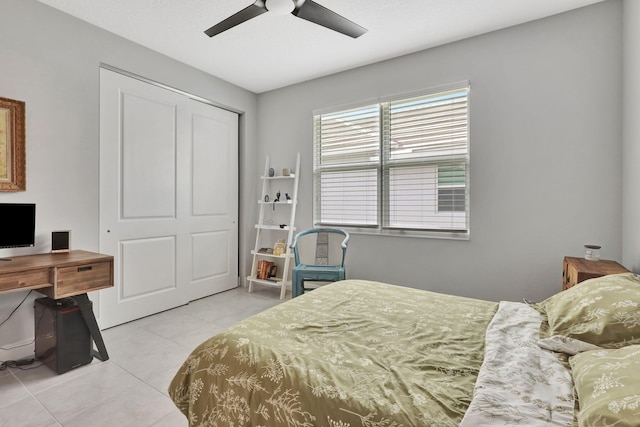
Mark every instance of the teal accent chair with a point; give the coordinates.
(321, 271)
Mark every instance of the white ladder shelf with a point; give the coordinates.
(284, 260)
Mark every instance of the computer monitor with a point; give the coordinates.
(18, 225)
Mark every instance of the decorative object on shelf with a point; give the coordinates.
(280, 248)
(273, 271)
(286, 172)
(272, 172)
(266, 198)
(12, 145)
(286, 195)
(592, 252)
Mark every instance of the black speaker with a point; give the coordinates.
(60, 241)
(63, 341)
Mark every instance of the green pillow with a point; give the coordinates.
(604, 311)
(608, 386)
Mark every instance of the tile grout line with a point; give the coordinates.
(33, 396)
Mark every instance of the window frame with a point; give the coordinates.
(383, 165)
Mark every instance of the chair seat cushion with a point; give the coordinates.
(319, 272)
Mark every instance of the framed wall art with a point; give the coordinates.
(12, 145)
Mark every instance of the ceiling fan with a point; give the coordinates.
(305, 9)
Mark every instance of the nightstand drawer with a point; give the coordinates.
(80, 279)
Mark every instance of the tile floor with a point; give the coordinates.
(130, 389)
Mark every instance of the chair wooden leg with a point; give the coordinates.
(295, 285)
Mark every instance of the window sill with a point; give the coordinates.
(443, 235)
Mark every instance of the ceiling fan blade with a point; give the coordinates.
(249, 12)
(318, 14)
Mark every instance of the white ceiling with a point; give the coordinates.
(277, 49)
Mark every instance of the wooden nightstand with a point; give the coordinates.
(576, 270)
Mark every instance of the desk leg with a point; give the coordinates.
(94, 330)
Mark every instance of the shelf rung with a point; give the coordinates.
(273, 227)
(254, 252)
(292, 176)
(268, 282)
(282, 202)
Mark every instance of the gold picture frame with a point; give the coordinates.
(12, 145)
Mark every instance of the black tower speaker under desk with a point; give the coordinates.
(63, 341)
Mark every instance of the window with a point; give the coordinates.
(395, 166)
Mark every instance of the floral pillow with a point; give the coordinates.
(604, 311)
(608, 386)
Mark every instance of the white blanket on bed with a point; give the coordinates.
(519, 383)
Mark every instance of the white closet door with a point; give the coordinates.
(213, 225)
(156, 214)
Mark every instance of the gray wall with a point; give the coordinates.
(546, 153)
(51, 61)
(631, 147)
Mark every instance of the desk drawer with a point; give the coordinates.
(80, 279)
(31, 279)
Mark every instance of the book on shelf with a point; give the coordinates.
(264, 268)
(265, 251)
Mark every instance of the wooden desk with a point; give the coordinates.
(57, 275)
(61, 275)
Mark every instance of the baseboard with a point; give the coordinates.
(17, 351)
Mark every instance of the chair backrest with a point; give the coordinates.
(323, 246)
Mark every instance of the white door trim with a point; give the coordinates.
(171, 88)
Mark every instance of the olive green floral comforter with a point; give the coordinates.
(352, 353)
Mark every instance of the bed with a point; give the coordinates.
(363, 353)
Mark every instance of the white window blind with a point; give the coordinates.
(397, 165)
(346, 161)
